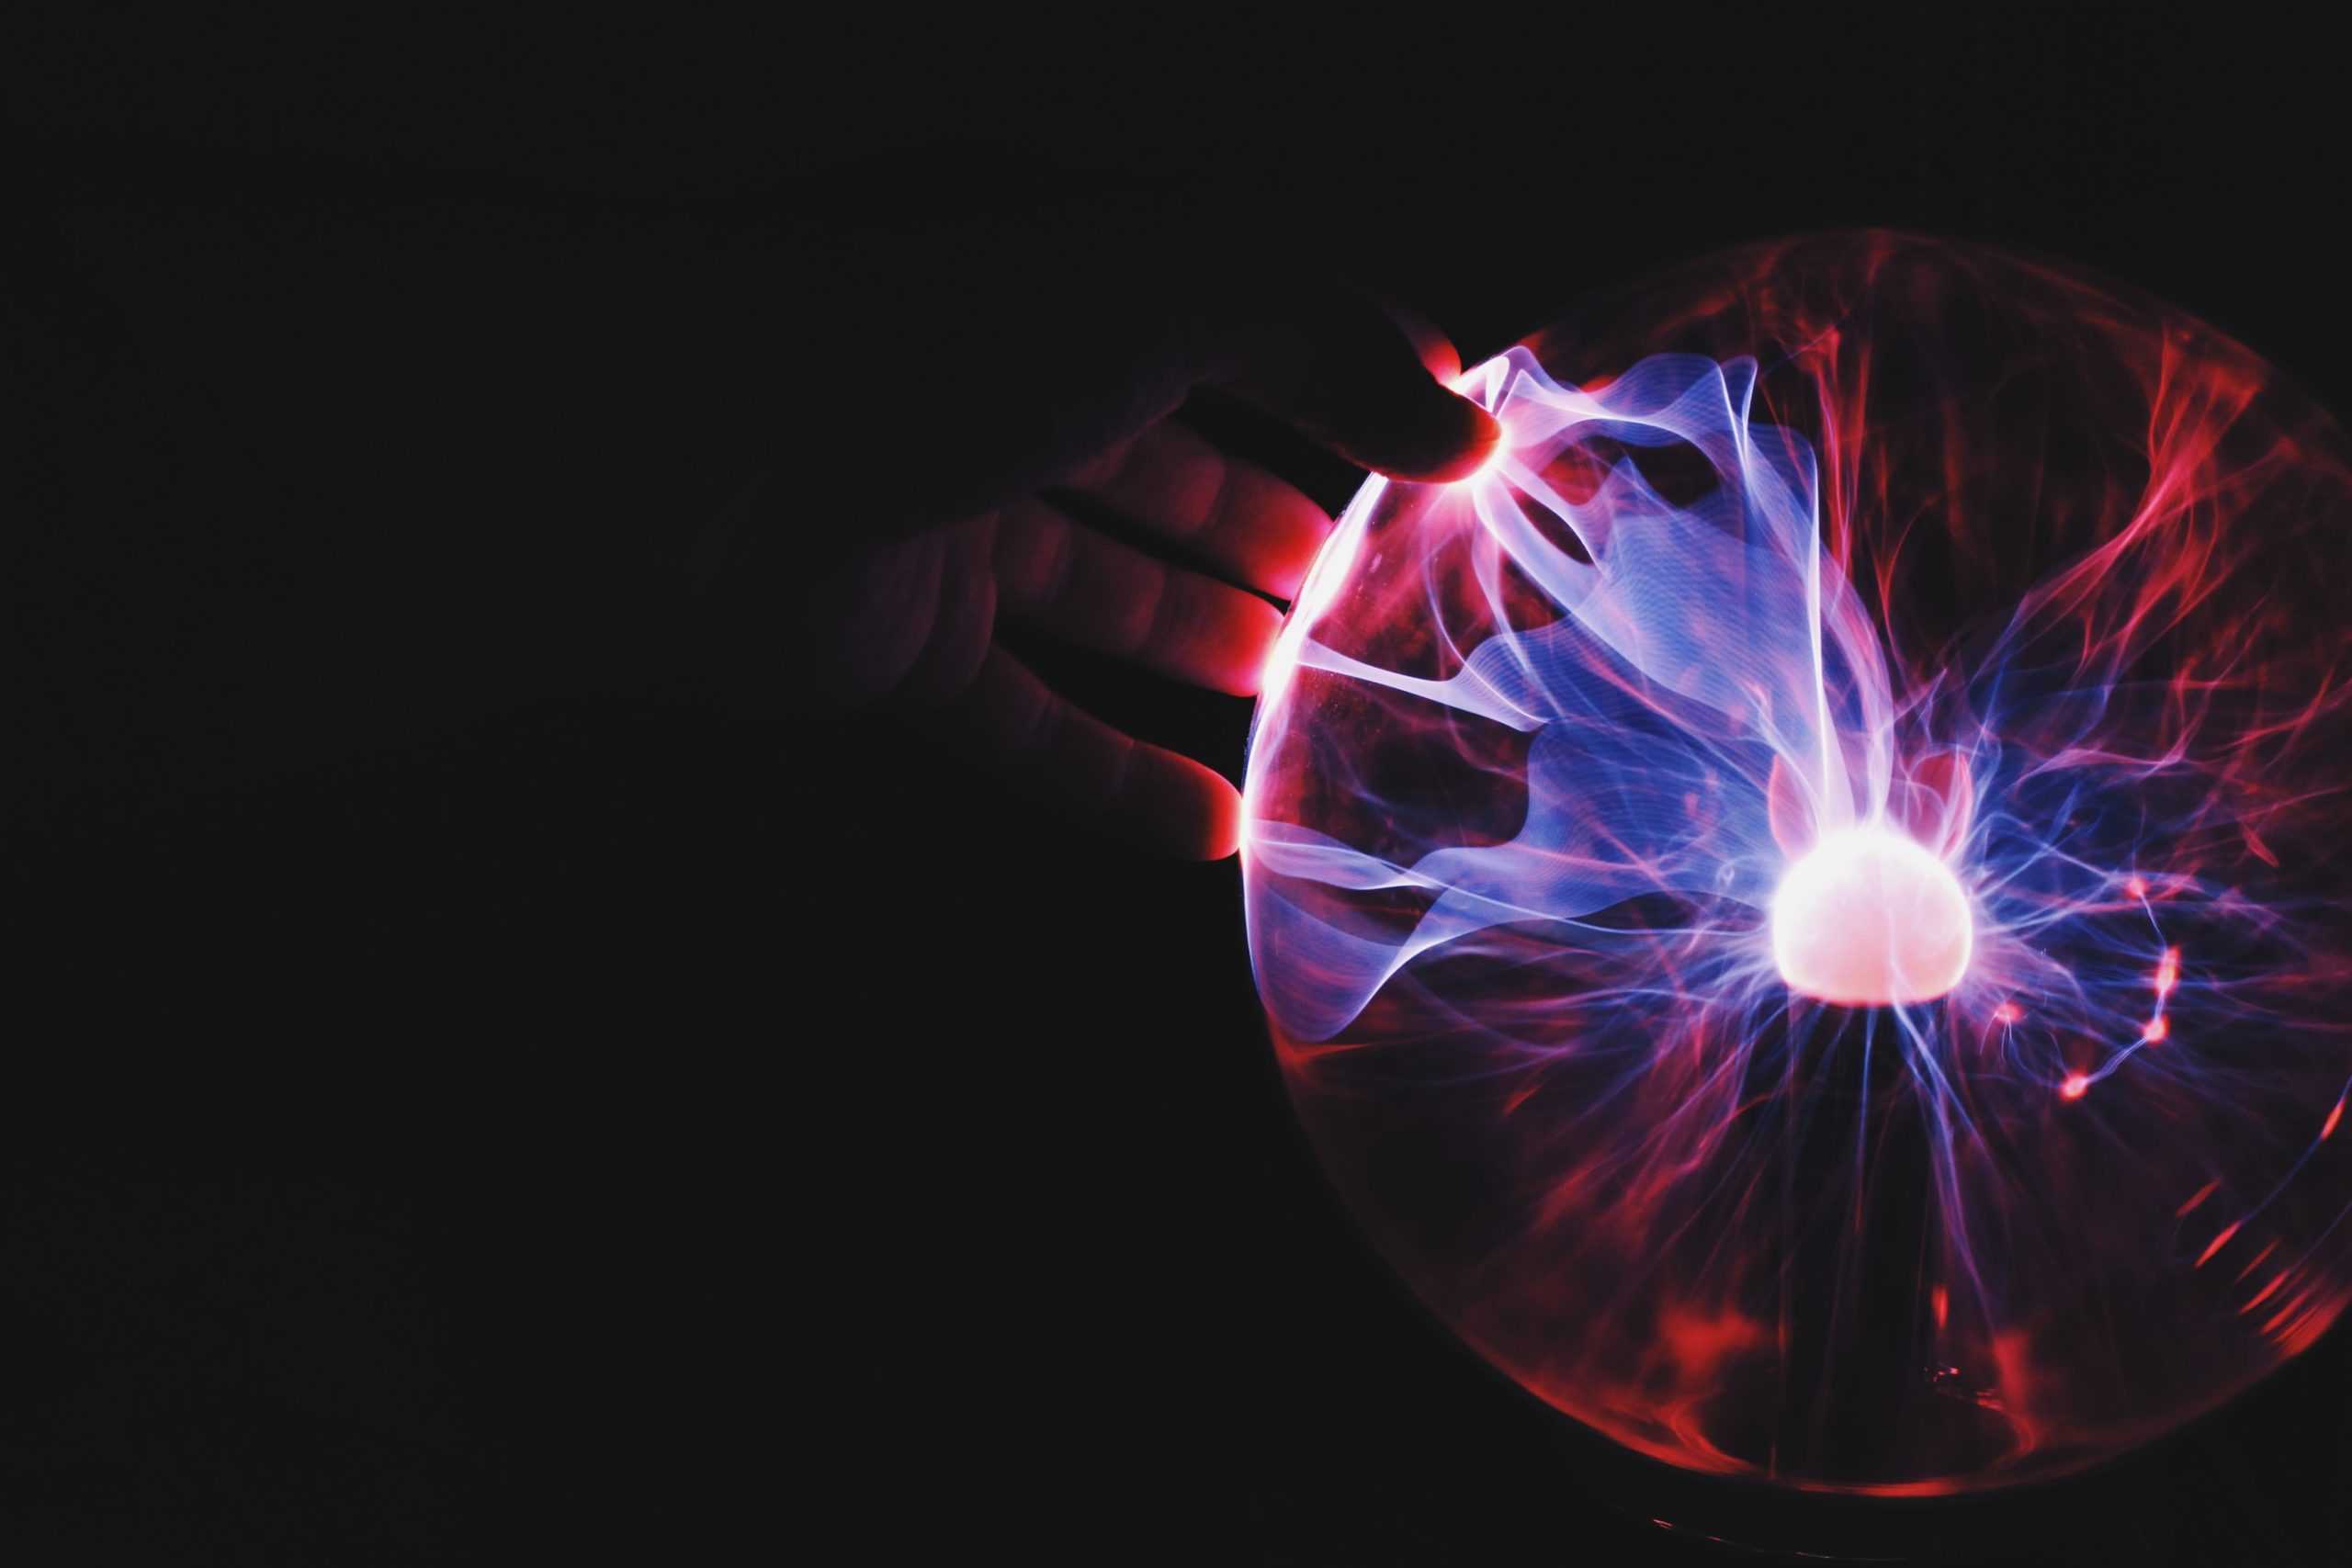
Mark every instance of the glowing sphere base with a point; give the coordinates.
(1804, 907)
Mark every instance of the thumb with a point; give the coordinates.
(1324, 358)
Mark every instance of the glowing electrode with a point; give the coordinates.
(1868, 918)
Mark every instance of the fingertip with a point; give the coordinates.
(1430, 345)
(1288, 539)
(1439, 359)
(1462, 438)
(1192, 811)
(1221, 826)
(1486, 436)
(1258, 625)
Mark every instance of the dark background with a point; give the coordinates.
(601, 1120)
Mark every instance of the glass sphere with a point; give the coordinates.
(1804, 907)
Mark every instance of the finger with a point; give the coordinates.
(1127, 787)
(1324, 358)
(1430, 345)
(1113, 598)
(1233, 515)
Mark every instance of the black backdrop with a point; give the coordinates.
(598, 1120)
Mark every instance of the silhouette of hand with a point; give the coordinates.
(962, 494)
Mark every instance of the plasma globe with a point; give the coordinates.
(1805, 906)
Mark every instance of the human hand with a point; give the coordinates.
(1054, 401)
